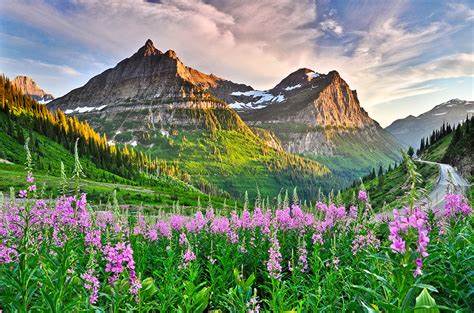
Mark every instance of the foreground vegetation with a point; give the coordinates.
(62, 255)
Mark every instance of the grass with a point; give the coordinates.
(159, 192)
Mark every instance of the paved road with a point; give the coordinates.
(449, 181)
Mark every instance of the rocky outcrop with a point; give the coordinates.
(29, 87)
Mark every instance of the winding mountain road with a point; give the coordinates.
(449, 181)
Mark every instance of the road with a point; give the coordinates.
(449, 181)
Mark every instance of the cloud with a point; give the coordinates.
(27, 64)
(460, 11)
(331, 25)
(386, 52)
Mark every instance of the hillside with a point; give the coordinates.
(48, 150)
(450, 147)
(411, 129)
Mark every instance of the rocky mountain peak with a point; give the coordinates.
(171, 54)
(29, 87)
(148, 49)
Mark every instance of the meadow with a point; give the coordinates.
(65, 255)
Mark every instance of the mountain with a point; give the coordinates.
(222, 131)
(154, 102)
(319, 116)
(411, 129)
(29, 87)
(52, 137)
(149, 77)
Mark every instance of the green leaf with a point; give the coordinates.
(425, 303)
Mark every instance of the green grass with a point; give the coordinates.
(390, 193)
(161, 191)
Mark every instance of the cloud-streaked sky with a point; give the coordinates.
(403, 57)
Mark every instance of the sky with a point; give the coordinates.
(402, 57)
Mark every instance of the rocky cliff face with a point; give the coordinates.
(29, 87)
(312, 113)
(147, 77)
(411, 129)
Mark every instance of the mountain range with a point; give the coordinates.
(411, 129)
(215, 127)
(29, 87)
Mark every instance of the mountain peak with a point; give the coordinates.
(29, 87)
(148, 49)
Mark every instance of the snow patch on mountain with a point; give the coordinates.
(264, 98)
(292, 87)
(85, 109)
(312, 75)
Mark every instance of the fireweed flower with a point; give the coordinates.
(362, 196)
(93, 238)
(7, 254)
(362, 241)
(456, 205)
(188, 256)
(409, 228)
(119, 258)
(303, 255)
(182, 239)
(22, 194)
(29, 178)
(274, 258)
(91, 283)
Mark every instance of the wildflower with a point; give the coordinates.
(404, 223)
(29, 178)
(7, 254)
(274, 258)
(364, 241)
(317, 238)
(32, 188)
(456, 205)
(118, 258)
(92, 284)
(22, 194)
(182, 239)
(362, 196)
(93, 238)
(188, 257)
(303, 256)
